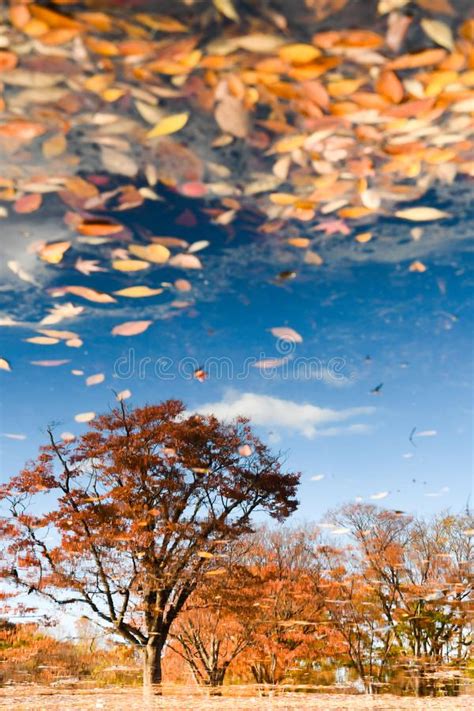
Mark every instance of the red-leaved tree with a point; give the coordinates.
(117, 520)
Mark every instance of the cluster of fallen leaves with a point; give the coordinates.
(341, 130)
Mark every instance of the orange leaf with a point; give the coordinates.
(54, 19)
(390, 86)
(418, 59)
(98, 229)
(24, 130)
(99, 297)
(28, 203)
(8, 60)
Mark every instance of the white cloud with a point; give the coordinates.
(380, 495)
(301, 418)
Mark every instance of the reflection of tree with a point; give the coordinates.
(404, 594)
(138, 507)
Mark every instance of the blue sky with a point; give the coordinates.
(370, 318)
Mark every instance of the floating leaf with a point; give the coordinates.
(54, 252)
(129, 265)
(131, 328)
(95, 379)
(100, 297)
(299, 53)
(156, 253)
(232, 117)
(4, 364)
(55, 146)
(421, 214)
(419, 59)
(439, 32)
(137, 292)
(118, 162)
(363, 237)
(168, 125)
(183, 285)
(28, 203)
(417, 267)
(313, 258)
(286, 334)
(98, 228)
(62, 335)
(198, 246)
(185, 261)
(226, 8)
(49, 363)
(88, 266)
(151, 114)
(42, 340)
(17, 269)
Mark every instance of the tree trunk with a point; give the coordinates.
(152, 669)
(216, 681)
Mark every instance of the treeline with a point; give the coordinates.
(371, 598)
(378, 594)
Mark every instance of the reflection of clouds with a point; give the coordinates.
(301, 418)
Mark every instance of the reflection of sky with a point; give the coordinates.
(362, 313)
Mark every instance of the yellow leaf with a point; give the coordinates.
(421, 214)
(226, 8)
(4, 364)
(136, 292)
(151, 114)
(205, 554)
(344, 87)
(54, 146)
(112, 94)
(438, 31)
(291, 143)
(170, 124)
(155, 253)
(53, 253)
(129, 265)
(42, 340)
(364, 237)
(299, 53)
(301, 242)
(283, 198)
(355, 212)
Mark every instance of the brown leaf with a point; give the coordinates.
(232, 117)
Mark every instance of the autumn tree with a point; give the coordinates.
(418, 592)
(290, 625)
(220, 618)
(117, 520)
